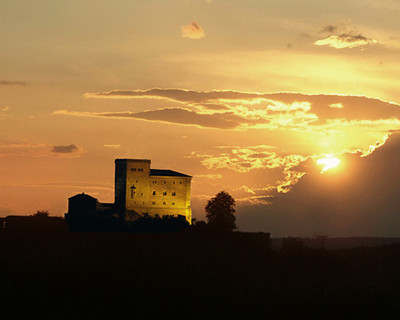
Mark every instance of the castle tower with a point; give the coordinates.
(140, 190)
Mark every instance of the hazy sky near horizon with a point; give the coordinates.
(239, 94)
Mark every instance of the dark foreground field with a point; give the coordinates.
(49, 272)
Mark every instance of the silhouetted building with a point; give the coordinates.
(82, 203)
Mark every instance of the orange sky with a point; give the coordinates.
(240, 95)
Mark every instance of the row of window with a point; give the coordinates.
(154, 181)
(154, 193)
(154, 203)
(165, 193)
(165, 182)
(138, 169)
(134, 192)
(164, 203)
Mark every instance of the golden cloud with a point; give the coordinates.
(345, 41)
(245, 159)
(4, 113)
(192, 31)
(344, 35)
(336, 105)
(112, 146)
(209, 176)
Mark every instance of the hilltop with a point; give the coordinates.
(191, 272)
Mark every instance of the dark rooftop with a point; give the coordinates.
(82, 195)
(166, 173)
(134, 160)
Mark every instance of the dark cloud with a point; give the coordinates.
(183, 116)
(343, 35)
(12, 83)
(355, 107)
(362, 198)
(353, 37)
(65, 149)
(259, 155)
(246, 164)
(329, 29)
(244, 110)
(213, 106)
(180, 95)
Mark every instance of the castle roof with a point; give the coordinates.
(166, 173)
(82, 196)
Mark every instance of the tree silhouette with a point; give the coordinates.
(220, 212)
(41, 214)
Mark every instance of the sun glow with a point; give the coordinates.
(328, 162)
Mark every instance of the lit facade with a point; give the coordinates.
(141, 190)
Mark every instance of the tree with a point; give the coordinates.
(220, 212)
(41, 214)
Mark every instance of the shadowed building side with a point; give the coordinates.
(120, 186)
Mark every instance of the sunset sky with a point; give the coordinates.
(245, 96)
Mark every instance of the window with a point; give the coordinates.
(180, 182)
(165, 182)
(140, 169)
(164, 193)
(154, 181)
(173, 203)
(173, 193)
(154, 193)
(133, 191)
(164, 203)
(173, 182)
(153, 203)
(133, 169)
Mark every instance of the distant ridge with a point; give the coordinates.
(340, 242)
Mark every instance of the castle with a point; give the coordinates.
(139, 191)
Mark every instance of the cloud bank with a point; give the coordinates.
(244, 110)
(359, 199)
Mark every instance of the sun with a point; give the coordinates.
(328, 162)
